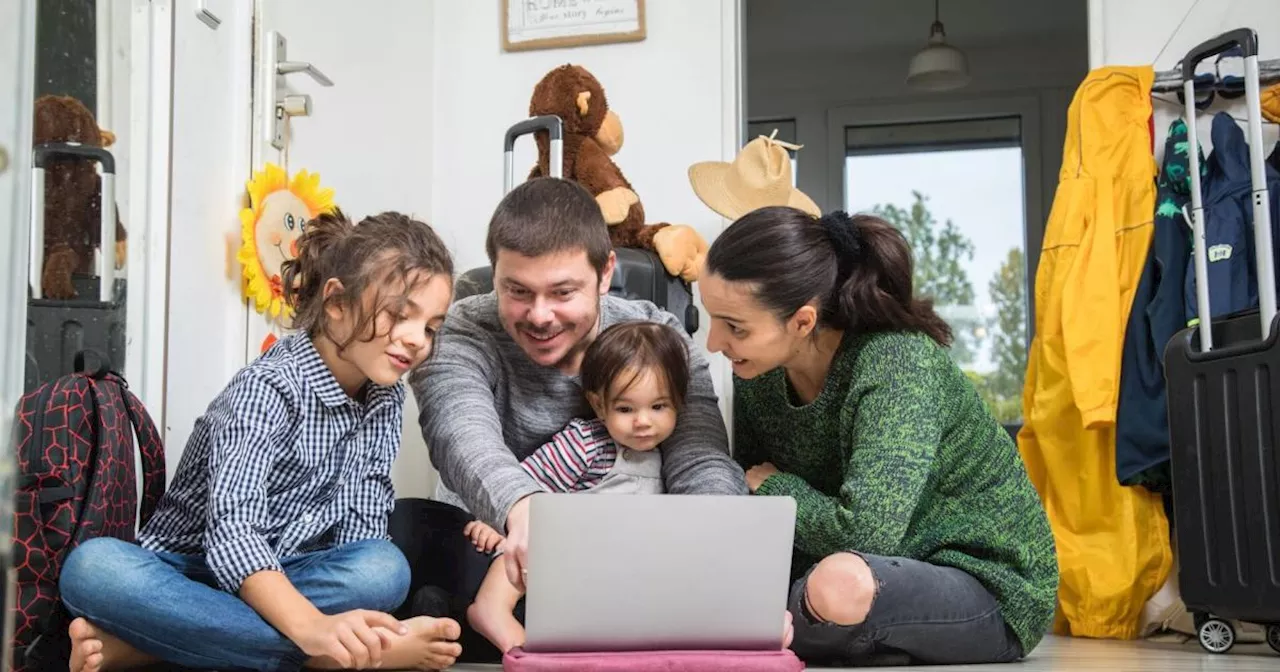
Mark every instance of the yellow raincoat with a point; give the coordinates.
(1113, 541)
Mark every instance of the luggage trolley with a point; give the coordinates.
(95, 319)
(638, 274)
(1223, 389)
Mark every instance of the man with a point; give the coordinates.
(504, 379)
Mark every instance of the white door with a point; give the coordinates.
(17, 74)
(367, 98)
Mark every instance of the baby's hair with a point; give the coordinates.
(629, 348)
(389, 251)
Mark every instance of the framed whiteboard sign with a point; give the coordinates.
(551, 24)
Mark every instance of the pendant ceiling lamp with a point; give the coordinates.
(939, 66)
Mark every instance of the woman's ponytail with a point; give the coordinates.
(873, 289)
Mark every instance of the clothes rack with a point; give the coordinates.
(1171, 80)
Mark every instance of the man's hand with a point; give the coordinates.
(353, 640)
(516, 546)
(484, 537)
(756, 475)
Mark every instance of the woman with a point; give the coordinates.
(918, 532)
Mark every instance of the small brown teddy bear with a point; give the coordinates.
(72, 195)
(592, 134)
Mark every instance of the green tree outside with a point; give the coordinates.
(941, 252)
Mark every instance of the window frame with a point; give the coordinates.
(1027, 109)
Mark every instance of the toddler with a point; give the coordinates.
(634, 376)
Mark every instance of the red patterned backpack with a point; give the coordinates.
(76, 480)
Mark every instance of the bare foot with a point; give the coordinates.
(495, 621)
(430, 645)
(93, 650)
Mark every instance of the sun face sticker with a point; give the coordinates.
(278, 211)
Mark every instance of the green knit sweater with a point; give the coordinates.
(898, 456)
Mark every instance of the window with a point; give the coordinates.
(955, 190)
(785, 131)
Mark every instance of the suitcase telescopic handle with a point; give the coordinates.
(107, 247)
(554, 128)
(1247, 40)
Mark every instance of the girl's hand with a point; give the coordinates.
(353, 640)
(756, 475)
(484, 537)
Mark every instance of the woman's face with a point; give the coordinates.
(752, 337)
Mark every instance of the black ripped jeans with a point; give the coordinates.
(922, 614)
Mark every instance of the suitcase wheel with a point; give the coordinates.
(1273, 637)
(1217, 635)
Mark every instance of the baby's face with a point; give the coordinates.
(640, 414)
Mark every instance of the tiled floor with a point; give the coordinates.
(1085, 655)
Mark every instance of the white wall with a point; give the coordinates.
(1161, 32)
(677, 72)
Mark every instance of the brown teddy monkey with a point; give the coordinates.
(72, 195)
(593, 134)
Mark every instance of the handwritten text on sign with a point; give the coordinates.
(543, 19)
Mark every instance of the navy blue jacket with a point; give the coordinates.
(1142, 426)
(1228, 206)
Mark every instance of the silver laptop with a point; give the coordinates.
(642, 572)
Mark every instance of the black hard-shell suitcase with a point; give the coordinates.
(639, 274)
(57, 330)
(1223, 395)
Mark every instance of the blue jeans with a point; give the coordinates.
(170, 606)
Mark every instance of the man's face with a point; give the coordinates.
(550, 305)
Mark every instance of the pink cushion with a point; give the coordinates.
(517, 660)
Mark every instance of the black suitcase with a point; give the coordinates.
(95, 320)
(1223, 389)
(639, 273)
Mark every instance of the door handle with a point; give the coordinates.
(277, 104)
(207, 17)
(290, 67)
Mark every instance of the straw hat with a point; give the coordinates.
(759, 176)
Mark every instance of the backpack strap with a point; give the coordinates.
(152, 450)
(149, 444)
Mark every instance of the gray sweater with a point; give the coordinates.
(485, 406)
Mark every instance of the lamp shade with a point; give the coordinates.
(939, 66)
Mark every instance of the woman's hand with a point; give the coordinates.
(756, 475)
(484, 537)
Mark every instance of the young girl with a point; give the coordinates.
(270, 549)
(634, 375)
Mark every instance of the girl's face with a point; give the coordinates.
(404, 332)
(753, 339)
(640, 413)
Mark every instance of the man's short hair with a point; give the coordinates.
(547, 215)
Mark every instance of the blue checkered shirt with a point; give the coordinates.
(283, 462)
